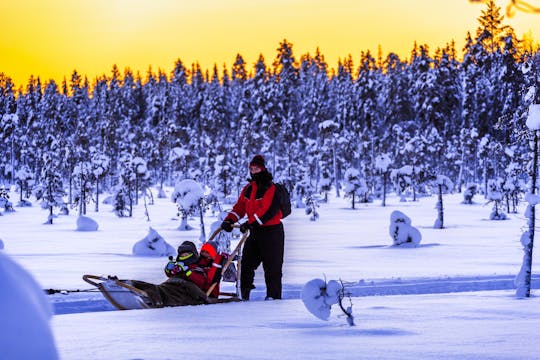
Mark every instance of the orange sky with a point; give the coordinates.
(51, 38)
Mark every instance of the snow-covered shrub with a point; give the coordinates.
(24, 179)
(188, 196)
(4, 201)
(469, 193)
(495, 195)
(354, 185)
(402, 232)
(318, 297)
(312, 203)
(301, 189)
(402, 179)
(153, 244)
(85, 223)
(120, 201)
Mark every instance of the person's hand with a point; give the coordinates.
(245, 227)
(227, 225)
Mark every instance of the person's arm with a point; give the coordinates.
(239, 209)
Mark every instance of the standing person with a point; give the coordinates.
(265, 243)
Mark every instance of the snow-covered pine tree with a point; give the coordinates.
(82, 176)
(142, 175)
(382, 167)
(53, 191)
(24, 177)
(523, 280)
(443, 185)
(100, 167)
(495, 195)
(188, 196)
(354, 185)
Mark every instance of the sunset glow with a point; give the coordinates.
(52, 38)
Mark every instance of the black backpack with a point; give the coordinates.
(284, 199)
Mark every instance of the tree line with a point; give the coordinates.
(319, 128)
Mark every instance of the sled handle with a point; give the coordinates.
(229, 260)
(218, 230)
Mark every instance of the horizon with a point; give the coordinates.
(91, 38)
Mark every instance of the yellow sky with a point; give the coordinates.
(51, 38)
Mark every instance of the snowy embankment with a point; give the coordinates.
(90, 301)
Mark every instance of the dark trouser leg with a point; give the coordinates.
(251, 259)
(272, 248)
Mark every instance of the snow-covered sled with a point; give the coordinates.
(135, 294)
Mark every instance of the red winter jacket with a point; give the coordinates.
(260, 209)
(203, 271)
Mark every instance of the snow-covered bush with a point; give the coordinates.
(318, 297)
(403, 180)
(153, 244)
(24, 177)
(312, 203)
(495, 195)
(4, 201)
(354, 185)
(469, 193)
(301, 189)
(188, 196)
(402, 232)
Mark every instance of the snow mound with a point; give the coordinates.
(1, 244)
(319, 296)
(153, 244)
(402, 232)
(84, 223)
(25, 314)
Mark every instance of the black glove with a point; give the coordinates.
(245, 227)
(227, 225)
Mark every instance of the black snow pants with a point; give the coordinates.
(265, 245)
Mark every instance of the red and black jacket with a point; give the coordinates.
(259, 204)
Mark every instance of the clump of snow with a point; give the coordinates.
(153, 244)
(533, 120)
(402, 232)
(382, 162)
(187, 194)
(1, 244)
(319, 296)
(25, 314)
(85, 223)
(532, 199)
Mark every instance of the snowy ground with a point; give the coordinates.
(452, 297)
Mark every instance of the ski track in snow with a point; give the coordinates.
(72, 302)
